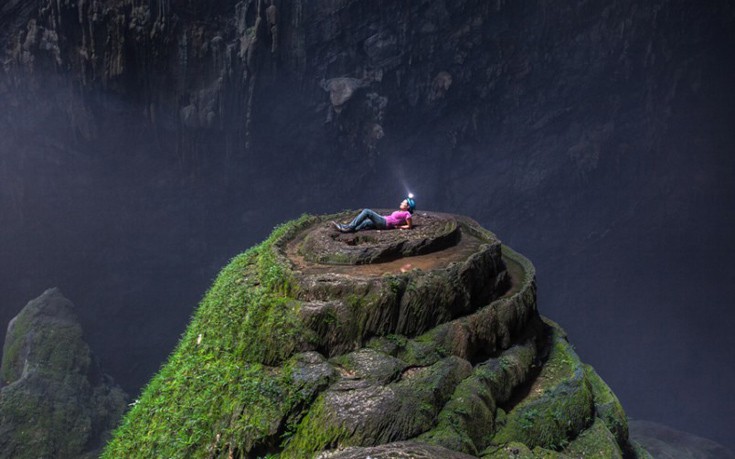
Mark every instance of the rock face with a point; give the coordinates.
(437, 354)
(54, 400)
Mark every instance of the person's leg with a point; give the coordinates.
(367, 215)
(366, 224)
(377, 220)
(368, 219)
(359, 219)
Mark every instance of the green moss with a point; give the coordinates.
(12, 362)
(316, 432)
(467, 421)
(468, 413)
(42, 421)
(216, 395)
(558, 405)
(422, 396)
(58, 346)
(607, 406)
(597, 441)
(389, 344)
(543, 453)
(422, 351)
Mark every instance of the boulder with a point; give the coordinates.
(54, 401)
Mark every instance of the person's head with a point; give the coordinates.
(408, 204)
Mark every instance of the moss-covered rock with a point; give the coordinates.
(467, 421)
(360, 413)
(54, 400)
(607, 406)
(558, 404)
(432, 356)
(596, 441)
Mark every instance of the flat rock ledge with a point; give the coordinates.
(432, 232)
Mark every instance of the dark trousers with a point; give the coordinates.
(367, 219)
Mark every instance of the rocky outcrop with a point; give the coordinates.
(436, 354)
(54, 400)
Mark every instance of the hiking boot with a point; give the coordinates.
(342, 228)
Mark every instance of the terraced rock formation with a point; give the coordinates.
(419, 343)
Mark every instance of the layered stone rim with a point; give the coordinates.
(432, 232)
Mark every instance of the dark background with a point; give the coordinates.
(596, 138)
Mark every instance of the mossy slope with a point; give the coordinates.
(228, 386)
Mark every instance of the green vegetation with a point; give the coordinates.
(607, 406)
(32, 338)
(467, 421)
(558, 405)
(12, 365)
(42, 421)
(467, 415)
(401, 410)
(234, 400)
(597, 441)
(316, 432)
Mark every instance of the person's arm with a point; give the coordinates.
(408, 225)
